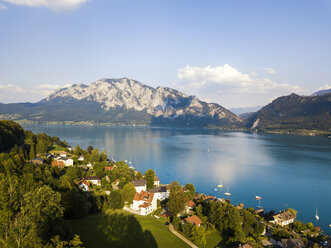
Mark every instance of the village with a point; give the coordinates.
(190, 216)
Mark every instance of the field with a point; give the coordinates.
(121, 229)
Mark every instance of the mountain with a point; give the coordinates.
(245, 110)
(322, 92)
(292, 113)
(122, 101)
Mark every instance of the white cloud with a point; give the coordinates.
(14, 93)
(56, 5)
(230, 87)
(270, 71)
(2, 6)
(325, 87)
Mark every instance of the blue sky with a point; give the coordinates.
(236, 53)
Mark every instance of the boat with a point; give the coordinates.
(258, 197)
(215, 189)
(227, 193)
(316, 216)
(330, 225)
(220, 186)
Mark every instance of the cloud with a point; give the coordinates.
(325, 87)
(56, 5)
(229, 86)
(270, 71)
(14, 93)
(2, 6)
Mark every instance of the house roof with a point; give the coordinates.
(159, 189)
(145, 205)
(284, 216)
(292, 243)
(193, 220)
(83, 182)
(58, 163)
(92, 178)
(156, 178)
(64, 159)
(109, 168)
(191, 204)
(138, 183)
(144, 196)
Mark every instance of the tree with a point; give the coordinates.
(150, 176)
(89, 149)
(198, 235)
(95, 155)
(32, 153)
(139, 176)
(191, 190)
(176, 202)
(129, 192)
(116, 199)
(78, 151)
(104, 156)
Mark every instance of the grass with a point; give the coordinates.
(55, 148)
(122, 229)
(213, 239)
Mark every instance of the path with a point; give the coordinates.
(172, 229)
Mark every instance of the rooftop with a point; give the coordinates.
(158, 189)
(143, 196)
(138, 183)
(193, 220)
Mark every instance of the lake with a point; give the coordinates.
(285, 170)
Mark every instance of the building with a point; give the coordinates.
(94, 180)
(37, 161)
(189, 206)
(108, 168)
(284, 218)
(292, 243)
(84, 185)
(156, 181)
(59, 164)
(193, 220)
(161, 192)
(140, 185)
(144, 202)
(67, 161)
(63, 154)
(81, 158)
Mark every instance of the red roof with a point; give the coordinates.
(109, 168)
(57, 163)
(193, 220)
(143, 196)
(191, 204)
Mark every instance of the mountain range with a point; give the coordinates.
(123, 101)
(128, 102)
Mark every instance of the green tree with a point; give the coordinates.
(89, 149)
(116, 199)
(32, 153)
(191, 190)
(129, 192)
(104, 156)
(139, 175)
(176, 202)
(95, 155)
(78, 151)
(198, 235)
(150, 176)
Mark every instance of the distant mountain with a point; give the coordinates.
(322, 92)
(244, 116)
(293, 112)
(122, 101)
(244, 110)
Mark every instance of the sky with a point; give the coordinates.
(237, 53)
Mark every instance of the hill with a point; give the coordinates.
(11, 134)
(122, 101)
(294, 113)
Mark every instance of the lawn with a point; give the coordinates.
(213, 240)
(122, 229)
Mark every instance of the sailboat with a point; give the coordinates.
(316, 216)
(259, 199)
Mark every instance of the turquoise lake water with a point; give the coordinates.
(285, 170)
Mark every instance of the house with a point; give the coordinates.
(81, 158)
(59, 164)
(63, 154)
(84, 185)
(108, 168)
(67, 161)
(266, 243)
(89, 165)
(140, 185)
(94, 180)
(189, 206)
(156, 181)
(284, 218)
(193, 220)
(37, 161)
(144, 202)
(161, 192)
(292, 243)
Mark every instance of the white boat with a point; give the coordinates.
(227, 193)
(330, 225)
(316, 216)
(258, 197)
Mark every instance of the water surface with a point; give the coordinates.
(285, 170)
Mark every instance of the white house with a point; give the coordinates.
(67, 161)
(94, 180)
(63, 154)
(284, 218)
(161, 192)
(144, 202)
(81, 158)
(156, 181)
(140, 185)
(89, 165)
(84, 185)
